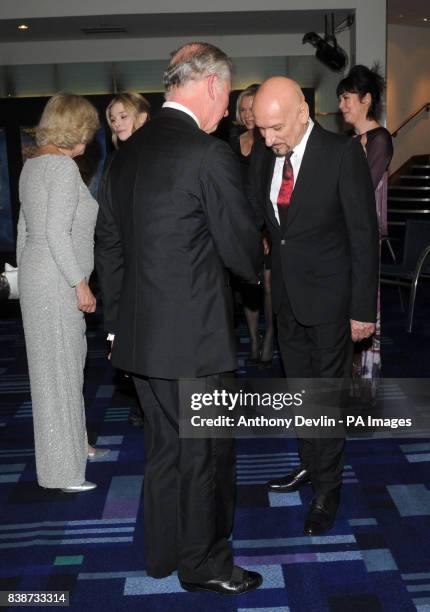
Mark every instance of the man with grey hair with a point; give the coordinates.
(173, 220)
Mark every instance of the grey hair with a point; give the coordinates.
(196, 60)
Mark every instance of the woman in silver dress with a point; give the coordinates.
(55, 257)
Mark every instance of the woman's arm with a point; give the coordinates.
(379, 151)
(62, 182)
(21, 237)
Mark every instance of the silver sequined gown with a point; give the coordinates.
(54, 252)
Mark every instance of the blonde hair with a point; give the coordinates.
(249, 92)
(67, 120)
(133, 103)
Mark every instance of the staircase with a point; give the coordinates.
(409, 195)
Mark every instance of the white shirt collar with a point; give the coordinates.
(181, 107)
(299, 150)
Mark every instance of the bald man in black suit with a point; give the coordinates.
(314, 192)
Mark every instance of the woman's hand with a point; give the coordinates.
(85, 298)
(265, 236)
(266, 245)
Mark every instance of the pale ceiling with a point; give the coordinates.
(166, 25)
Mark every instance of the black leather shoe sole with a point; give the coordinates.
(223, 588)
(288, 484)
(314, 528)
(288, 488)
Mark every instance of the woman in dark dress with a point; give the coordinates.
(359, 96)
(125, 113)
(242, 140)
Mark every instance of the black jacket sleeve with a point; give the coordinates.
(358, 202)
(108, 254)
(252, 186)
(231, 222)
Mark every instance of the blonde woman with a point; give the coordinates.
(55, 256)
(126, 113)
(242, 141)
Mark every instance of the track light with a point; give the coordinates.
(328, 51)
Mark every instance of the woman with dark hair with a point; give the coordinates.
(242, 141)
(360, 94)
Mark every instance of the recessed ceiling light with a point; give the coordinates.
(425, 18)
(23, 27)
(400, 16)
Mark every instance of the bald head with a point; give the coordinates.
(281, 113)
(279, 90)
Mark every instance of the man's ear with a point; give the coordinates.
(304, 112)
(212, 84)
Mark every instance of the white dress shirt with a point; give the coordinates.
(296, 161)
(181, 107)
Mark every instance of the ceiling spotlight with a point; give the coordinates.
(23, 27)
(328, 51)
(425, 19)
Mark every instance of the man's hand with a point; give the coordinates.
(360, 330)
(85, 298)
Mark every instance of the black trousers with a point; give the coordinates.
(321, 351)
(189, 491)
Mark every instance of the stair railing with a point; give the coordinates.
(424, 107)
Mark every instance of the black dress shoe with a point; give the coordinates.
(241, 581)
(136, 420)
(321, 514)
(290, 482)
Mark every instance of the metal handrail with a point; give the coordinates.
(425, 107)
(327, 113)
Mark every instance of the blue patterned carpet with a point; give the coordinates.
(377, 558)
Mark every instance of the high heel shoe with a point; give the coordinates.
(84, 486)
(254, 354)
(265, 363)
(98, 452)
(267, 349)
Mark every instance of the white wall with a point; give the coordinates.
(370, 27)
(139, 61)
(135, 49)
(408, 88)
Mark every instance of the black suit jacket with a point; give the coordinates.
(173, 216)
(328, 257)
